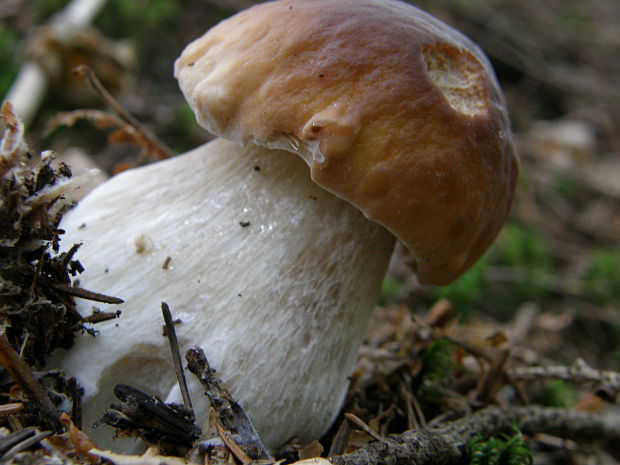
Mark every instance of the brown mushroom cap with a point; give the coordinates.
(395, 112)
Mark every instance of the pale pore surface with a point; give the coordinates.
(276, 305)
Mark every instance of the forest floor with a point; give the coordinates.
(533, 327)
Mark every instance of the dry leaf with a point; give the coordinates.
(120, 459)
(314, 449)
(79, 440)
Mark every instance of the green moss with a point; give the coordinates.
(566, 185)
(137, 18)
(437, 361)
(8, 50)
(521, 246)
(601, 282)
(524, 252)
(559, 393)
(468, 292)
(507, 450)
(390, 289)
(517, 269)
(437, 365)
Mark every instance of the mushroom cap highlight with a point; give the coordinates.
(394, 111)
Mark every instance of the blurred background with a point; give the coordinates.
(554, 272)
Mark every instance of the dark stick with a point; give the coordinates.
(76, 402)
(24, 445)
(198, 364)
(150, 417)
(14, 438)
(176, 357)
(229, 412)
(20, 372)
(84, 294)
(98, 317)
(341, 439)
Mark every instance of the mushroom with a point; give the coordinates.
(272, 270)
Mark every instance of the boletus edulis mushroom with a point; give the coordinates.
(343, 126)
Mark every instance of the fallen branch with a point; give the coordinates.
(579, 373)
(229, 412)
(446, 445)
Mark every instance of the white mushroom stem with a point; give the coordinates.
(272, 276)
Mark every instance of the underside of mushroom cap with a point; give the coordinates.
(394, 111)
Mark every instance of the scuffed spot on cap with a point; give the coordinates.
(459, 77)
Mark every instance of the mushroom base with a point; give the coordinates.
(272, 276)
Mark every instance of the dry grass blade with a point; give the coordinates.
(21, 374)
(151, 143)
(233, 446)
(100, 119)
(9, 441)
(79, 440)
(125, 133)
(176, 357)
(11, 453)
(360, 423)
(8, 409)
(493, 378)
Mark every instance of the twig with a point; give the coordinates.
(198, 364)
(75, 394)
(417, 408)
(446, 445)
(176, 357)
(482, 354)
(233, 446)
(25, 444)
(84, 293)
(20, 372)
(156, 421)
(99, 316)
(579, 373)
(412, 421)
(230, 413)
(340, 439)
(476, 351)
(8, 409)
(492, 379)
(360, 424)
(152, 139)
(14, 438)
